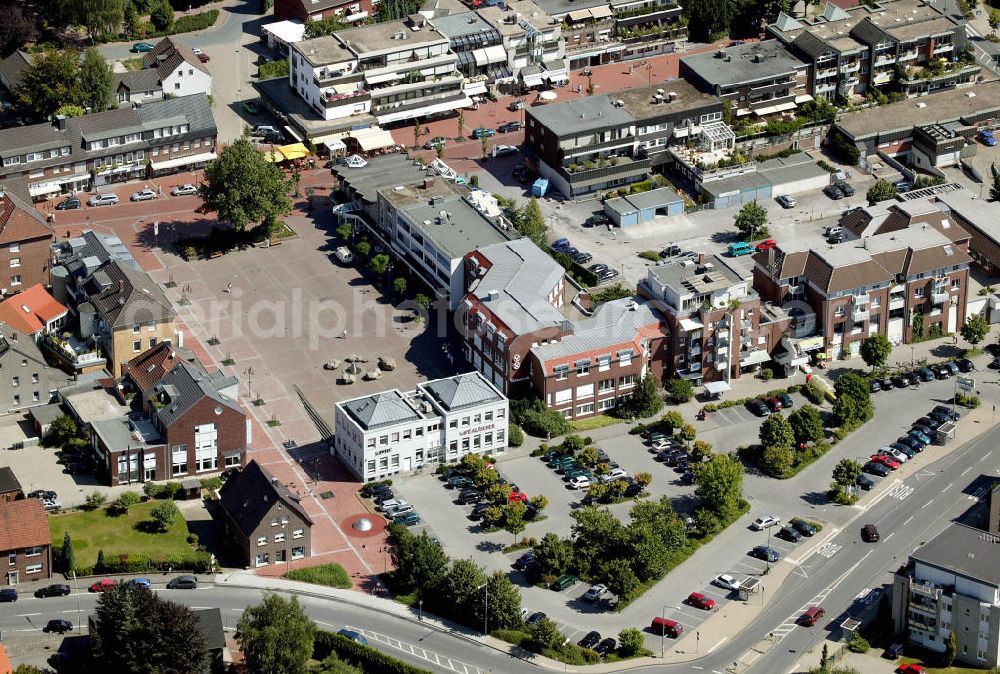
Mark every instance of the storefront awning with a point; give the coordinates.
(294, 151)
(811, 343)
(532, 80)
(803, 98)
(182, 161)
(601, 12)
(373, 139)
(426, 110)
(579, 15)
(48, 188)
(755, 358)
(488, 55)
(717, 387)
(781, 107)
(688, 325)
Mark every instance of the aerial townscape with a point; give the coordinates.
(500, 336)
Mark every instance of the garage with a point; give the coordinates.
(636, 209)
(737, 190)
(794, 175)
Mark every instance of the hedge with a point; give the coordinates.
(368, 659)
(198, 562)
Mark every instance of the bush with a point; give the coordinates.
(813, 393)
(651, 255)
(970, 401)
(679, 391)
(273, 70)
(96, 499)
(190, 22)
(367, 659)
(195, 561)
(125, 501)
(211, 483)
(535, 418)
(858, 644)
(515, 436)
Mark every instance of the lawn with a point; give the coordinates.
(93, 530)
(332, 575)
(596, 421)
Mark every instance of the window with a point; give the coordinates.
(206, 447)
(179, 459)
(177, 85)
(152, 342)
(606, 385)
(15, 280)
(407, 434)
(299, 552)
(624, 358)
(488, 416)
(34, 396)
(15, 262)
(34, 378)
(262, 559)
(501, 413)
(135, 329)
(297, 533)
(232, 460)
(150, 326)
(395, 437)
(261, 540)
(33, 552)
(33, 568)
(603, 363)
(626, 381)
(564, 396)
(561, 371)
(279, 538)
(137, 346)
(919, 292)
(582, 367)
(588, 408)
(17, 399)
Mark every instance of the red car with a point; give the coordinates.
(885, 460)
(910, 668)
(515, 496)
(774, 404)
(102, 585)
(767, 244)
(699, 600)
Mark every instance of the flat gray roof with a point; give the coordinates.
(746, 63)
(941, 108)
(674, 274)
(321, 51)
(581, 115)
(557, 7)
(642, 104)
(657, 198)
(465, 230)
(457, 25)
(388, 171)
(979, 213)
(121, 434)
(298, 112)
(789, 169)
(965, 551)
(745, 181)
(376, 37)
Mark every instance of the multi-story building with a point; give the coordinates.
(602, 142)
(394, 432)
(78, 153)
(479, 48)
(717, 325)
(757, 78)
(26, 380)
(951, 586)
(25, 541)
(178, 69)
(532, 40)
(138, 87)
(870, 46)
(392, 71)
(25, 238)
(648, 27)
(33, 312)
(902, 281)
(347, 11)
(263, 520)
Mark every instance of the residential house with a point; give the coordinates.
(757, 78)
(280, 34)
(209, 623)
(25, 238)
(263, 520)
(76, 154)
(347, 11)
(146, 370)
(12, 68)
(136, 87)
(26, 379)
(10, 487)
(950, 587)
(477, 44)
(33, 312)
(178, 69)
(25, 541)
(395, 432)
(981, 220)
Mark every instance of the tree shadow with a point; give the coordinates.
(816, 498)
(148, 527)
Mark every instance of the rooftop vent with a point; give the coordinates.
(921, 104)
(757, 58)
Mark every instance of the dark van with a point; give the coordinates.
(663, 627)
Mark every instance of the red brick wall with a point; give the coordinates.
(33, 257)
(23, 562)
(231, 427)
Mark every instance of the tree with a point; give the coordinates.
(700, 451)
(460, 120)
(853, 405)
(777, 460)
(846, 472)
(399, 286)
(643, 479)
(422, 301)
(679, 391)
(687, 433)
(244, 187)
(588, 456)
(630, 641)
(621, 580)
(545, 634)
(460, 594)
(27, 669)
(132, 20)
(379, 263)
(99, 564)
(162, 16)
(751, 219)
(49, 82)
(504, 612)
(807, 425)
(324, 27)
(720, 485)
(137, 631)
(515, 436)
(843, 148)
(125, 501)
(974, 329)
(420, 562)
(708, 20)
(484, 142)
(776, 432)
(513, 520)
(875, 350)
(950, 649)
(96, 81)
(61, 431)
(16, 28)
(824, 661)
(66, 554)
(671, 420)
(554, 555)
(102, 18)
(71, 110)
(276, 635)
(363, 248)
(995, 189)
(539, 502)
(646, 400)
(532, 223)
(164, 514)
(882, 190)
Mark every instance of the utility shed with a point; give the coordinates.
(643, 207)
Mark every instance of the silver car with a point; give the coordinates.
(143, 195)
(102, 200)
(181, 190)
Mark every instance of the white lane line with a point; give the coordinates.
(927, 504)
(950, 485)
(721, 641)
(908, 520)
(71, 611)
(697, 667)
(318, 622)
(966, 470)
(890, 536)
(985, 456)
(27, 615)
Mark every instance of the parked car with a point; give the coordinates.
(900, 381)
(536, 617)
(595, 592)
(964, 365)
(986, 137)
(483, 132)
(845, 188)
(833, 192)
(507, 127)
(142, 47)
(407, 520)
(664, 627)
(765, 553)
(910, 668)
(54, 590)
(920, 435)
(522, 562)
(924, 373)
(504, 150)
(102, 585)
(434, 142)
(185, 189)
(698, 600)
(886, 460)
(581, 257)
(766, 244)
(597, 220)
(894, 453)
(887, 384)
(607, 275)
(102, 200)
(941, 372)
(590, 640)
(58, 626)
(785, 201)
(949, 414)
(874, 386)
(726, 582)
(865, 482)
(805, 528)
(758, 407)
(930, 422)
(789, 534)
(613, 474)
(144, 583)
(479, 511)
(559, 245)
(392, 513)
(774, 404)
(354, 636)
(203, 57)
(905, 449)
(741, 248)
(143, 195)
(72, 203)
(393, 503)
(912, 442)
(606, 646)
(764, 522)
(598, 267)
(43, 494)
(459, 482)
(183, 583)
(8, 594)
(580, 482)
(876, 468)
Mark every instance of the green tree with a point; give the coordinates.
(334, 665)
(164, 514)
(882, 190)
(671, 421)
(61, 431)
(995, 189)
(700, 451)
(162, 16)
(71, 110)
(621, 580)
(539, 502)
(554, 555)
(379, 264)
(420, 562)
(136, 631)
(807, 425)
(363, 248)
(843, 148)
(853, 405)
(532, 223)
(99, 564)
(615, 489)
(776, 432)
(846, 472)
(630, 641)
(975, 329)
(720, 485)
(515, 436)
(27, 669)
(244, 187)
(276, 635)
(48, 83)
(344, 231)
(545, 634)
(751, 220)
(422, 301)
(588, 456)
(324, 27)
(460, 594)
(102, 18)
(132, 20)
(708, 20)
(687, 433)
(875, 350)
(126, 500)
(646, 400)
(950, 649)
(679, 391)
(96, 81)
(460, 120)
(643, 479)
(399, 286)
(504, 612)
(777, 460)
(513, 520)
(66, 555)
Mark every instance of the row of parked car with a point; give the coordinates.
(793, 532)
(470, 494)
(669, 451)
(396, 510)
(919, 437)
(922, 374)
(110, 198)
(603, 272)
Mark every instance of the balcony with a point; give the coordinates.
(625, 168)
(883, 77)
(694, 351)
(335, 100)
(943, 48)
(826, 72)
(860, 314)
(883, 60)
(822, 87)
(852, 67)
(907, 55)
(939, 297)
(631, 36)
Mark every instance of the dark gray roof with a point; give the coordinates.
(463, 390)
(378, 410)
(455, 26)
(576, 117)
(138, 80)
(184, 386)
(744, 63)
(13, 67)
(209, 622)
(8, 481)
(868, 32)
(965, 551)
(125, 296)
(811, 45)
(85, 254)
(195, 109)
(249, 494)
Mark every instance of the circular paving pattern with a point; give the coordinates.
(363, 525)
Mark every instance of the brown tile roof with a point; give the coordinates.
(19, 221)
(29, 310)
(128, 297)
(167, 55)
(893, 261)
(787, 265)
(936, 257)
(23, 524)
(148, 368)
(856, 275)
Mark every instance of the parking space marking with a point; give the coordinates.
(908, 519)
(927, 504)
(419, 652)
(986, 455)
(950, 485)
(966, 471)
(890, 536)
(27, 615)
(901, 491)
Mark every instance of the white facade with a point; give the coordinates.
(394, 432)
(186, 80)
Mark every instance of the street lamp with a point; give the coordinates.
(486, 609)
(249, 373)
(420, 609)
(767, 553)
(663, 632)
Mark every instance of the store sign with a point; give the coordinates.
(477, 429)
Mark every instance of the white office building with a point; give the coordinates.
(395, 432)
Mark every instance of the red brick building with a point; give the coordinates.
(25, 238)
(25, 541)
(306, 10)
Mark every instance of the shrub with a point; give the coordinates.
(211, 483)
(367, 659)
(515, 436)
(813, 393)
(679, 391)
(95, 499)
(331, 575)
(858, 644)
(651, 255)
(274, 70)
(125, 501)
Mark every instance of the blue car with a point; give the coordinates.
(766, 553)
(919, 435)
(986, 138)
(353, 636)
(141, 582)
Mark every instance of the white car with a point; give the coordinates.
(580, 482)
(181, 190)
(764, 522)
(102, 200)
(51, 504)
(660, 445)
(613, 474)
(399, 510)
(595, 592)
(726, 582)
(894, 453)
(504, 150)
(143, 195)
(195, 51)
(393, 503)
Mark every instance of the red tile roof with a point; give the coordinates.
(23, 524)
(29, 311)
(19, 221)
(148, 368)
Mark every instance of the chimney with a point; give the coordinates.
(701, 258)
(121, 285)
(59, 121)
(428, 182)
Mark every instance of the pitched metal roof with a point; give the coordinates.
(125, 296)
(463, 390)
(613, 324)
(184, 386)
(380, 409)
(8, 481)
(249, 494)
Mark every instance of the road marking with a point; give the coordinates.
(978, 494)
(27, 615)
(697, 667)
(419, 652)
(721, 641)
(908, 519)
(71, 611)
(890, 536)
(927, 504)
(986, 455)
(966, 471)
(950, 485)
(828, 550)
(822, 543)
(901, 491)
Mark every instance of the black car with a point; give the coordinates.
(846, 188)
(930, 422)
(634, 489)
(905, 449)
(786, 400)
(965, 365)
(597, 220)
(535, 617)
(478, 512)
(608, 274)
(790, 534)
(469, 496)
(507, 127)
(58, 626)
(670, 251)
(951, 414)
(43, 494)
(68, 204)
(875, 468)
(940, 371)
(913, 443)
(865, 482)
(940, 417)
(924, 374)
(874, 386)
(804, 528)
(521, 563)
(606, 646)
(590, 640)
(834, 192)
(887, 384)
(8, 594)
(582, 258)
(758, 407)
(56, 590)
(900, 381)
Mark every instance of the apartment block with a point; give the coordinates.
(441, 421)
(951, 585)
(532, 40)
(25, 238)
